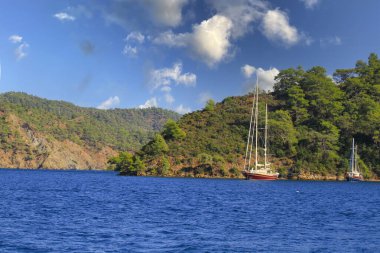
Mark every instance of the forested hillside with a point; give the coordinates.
(312, 120)
(36, 132)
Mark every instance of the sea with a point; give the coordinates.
(92, 211)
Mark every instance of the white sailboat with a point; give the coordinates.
(354, 174)
(257, 171)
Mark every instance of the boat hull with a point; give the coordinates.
(260, 176)
(354, 178)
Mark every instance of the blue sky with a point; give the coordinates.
(174, 54)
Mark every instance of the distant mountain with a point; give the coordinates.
(41, 133)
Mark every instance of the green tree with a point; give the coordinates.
(210, 105)
(157, 146)
(127, 164)
(173, 131)
(283, 135)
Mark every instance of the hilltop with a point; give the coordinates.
(41, 133)
(312, 120)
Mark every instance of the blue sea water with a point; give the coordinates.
(84, 211)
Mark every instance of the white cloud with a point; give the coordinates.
(169, 98)
(152, 102)
(276, 27)
(130, 51)
(20, 51)
(210, 40)
(111, 102)
(166, 12)
(242, 13)
(63, 16)
(15, 38)
(167, 76)
(182, 109)
(248, 70)
(135, 37)
(310, 4)
(266, 77)
(335, 41)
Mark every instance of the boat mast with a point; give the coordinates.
(266, 136)
(353, 155)
(256, 119)
(249, 137)
(356, 159)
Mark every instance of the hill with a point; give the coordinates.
(312, 120)
(41, 133)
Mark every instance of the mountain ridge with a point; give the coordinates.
(41, 133)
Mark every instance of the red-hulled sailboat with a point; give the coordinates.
(257, 171)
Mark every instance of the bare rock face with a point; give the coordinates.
(69, 155)
(41, 153)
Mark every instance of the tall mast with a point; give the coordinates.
(249, 137)
(353, 155)
(256, 118)
(356, 159)
(266, 136)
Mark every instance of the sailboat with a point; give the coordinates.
(354, 174)
(256, 170)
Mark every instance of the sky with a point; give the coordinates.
(174, 54)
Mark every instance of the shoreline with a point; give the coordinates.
(195, 177)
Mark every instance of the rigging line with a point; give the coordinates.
(251, 146)
(256, 116)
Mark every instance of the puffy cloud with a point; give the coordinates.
(266, 77)
(310, 4)
(242, 13)
(63, 16)
(276, 27)
(248, 70)
(166, 12)
(152, 102)
(20, 51)
(135, 37)
(130, 51)
(167, 76)
(111, 102)
(210, 40)
(182, 109)
(15, 38)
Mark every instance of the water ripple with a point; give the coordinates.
(68, 211)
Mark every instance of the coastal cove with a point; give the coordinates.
(182, 126)
(82, 211)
